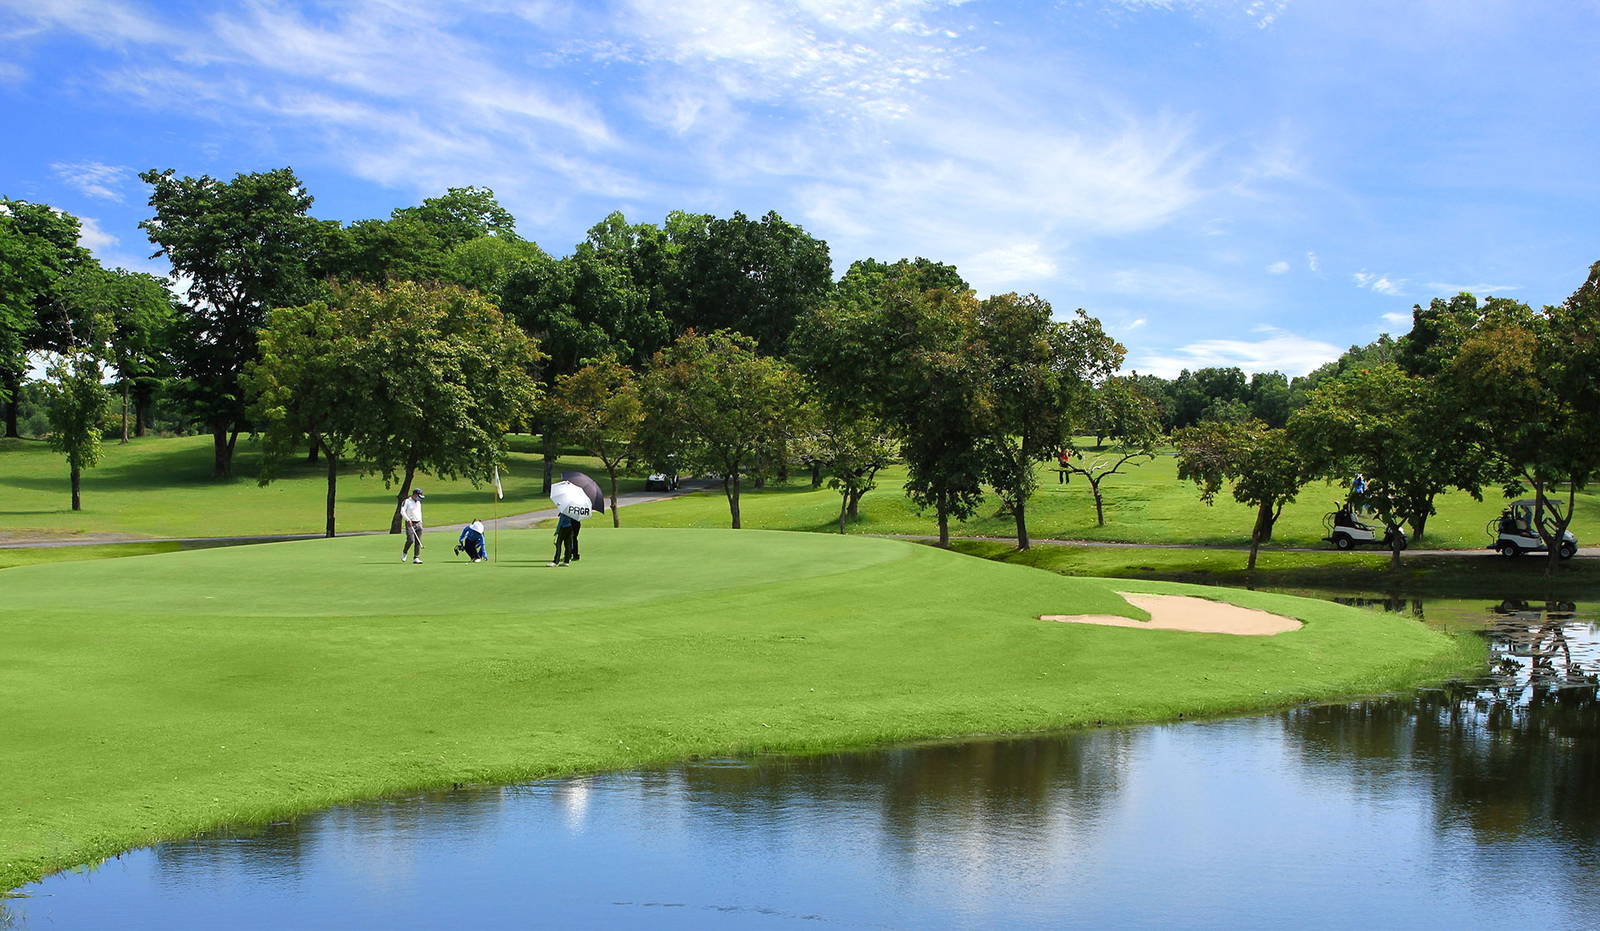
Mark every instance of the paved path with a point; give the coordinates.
(511, 522)
(1225, 547)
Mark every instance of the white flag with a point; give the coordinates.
(499, 493)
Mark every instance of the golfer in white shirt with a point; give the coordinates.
(411, 520)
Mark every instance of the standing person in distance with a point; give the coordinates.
(411, 520)
(566, 537)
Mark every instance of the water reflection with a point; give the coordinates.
(1436, 809)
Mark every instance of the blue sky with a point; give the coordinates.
(1250, 182)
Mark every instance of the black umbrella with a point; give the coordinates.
(597, 498)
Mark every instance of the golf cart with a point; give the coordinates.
(1345, 531)
(1514, 532)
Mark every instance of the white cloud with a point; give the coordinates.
(1279, 351)
(1278, 268)
(94, 179)
(1382, 284)
(1454, 289)
(12, 73)
(1312, 262)
(1136, 324)
(92, 237)
(1398, 319)
(1007, 268)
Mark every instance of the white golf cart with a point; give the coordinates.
(1514, 532)
(1347, 531)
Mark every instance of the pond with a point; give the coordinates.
(1445, 808)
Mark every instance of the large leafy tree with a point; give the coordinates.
(38, 249)
(1262, 464)
(1036, 381)
(1531, 381)
(904, 355)
(426, 242)
(1122, 412)
(848, 450)
(243, 246)
(599, 407)
(716, 403)
(307, 387)
(449, 376)
(75, 400)
(1399, 431)
(754, 276)
(127, 316)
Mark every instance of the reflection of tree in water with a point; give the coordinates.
(1014, 792)
(1511, 757)
(283, 851)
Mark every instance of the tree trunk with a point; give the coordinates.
(1264, 521)
(77, 475)
(14, 390)
(944, 521)
(1021, 512)
(333, 487)
(855, 502)
(730, 487)
(143, 400)
(616, 520)
(124, 410)
(1394, 553)
(761, 473)
(548, 439)
(1255, 547)
(816, 474)
(311, 453)
(405, 491)
(222, 452)
(844, 498)
(1419, 524)
(1099, 504)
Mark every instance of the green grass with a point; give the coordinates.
(157, 696)
(1431, 576)
(13, 557)
(1148, 505)
(162, 487)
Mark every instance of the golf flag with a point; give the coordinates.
(499, 493)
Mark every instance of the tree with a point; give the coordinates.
(849, 450)
(1035, 380)
(75, 401)
(38, 248)
(244, 246)
(866, 281)
(449, 376)
(1396, 429)
(599, 407)
(717, 403)
(1531, 381)
(1263, 464)
(1129, 417)
(753, 276)
(461, 214)
(307, 386)
(906, 358)
(128, 316)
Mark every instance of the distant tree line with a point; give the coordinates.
(723, 346)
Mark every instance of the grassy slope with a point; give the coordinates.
(162, 487)
(155, 696)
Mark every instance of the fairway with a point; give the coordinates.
(156, 696)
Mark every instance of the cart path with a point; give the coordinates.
(1224, 547)
(510, 522)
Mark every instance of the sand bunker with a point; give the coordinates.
(1180, 612)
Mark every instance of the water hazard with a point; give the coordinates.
(1448, 808)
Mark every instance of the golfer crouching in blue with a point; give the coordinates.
(472, 541)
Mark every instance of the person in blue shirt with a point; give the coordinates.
(472, 540)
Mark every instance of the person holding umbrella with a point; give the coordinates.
(576, 497)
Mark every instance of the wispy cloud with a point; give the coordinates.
(1398, 319)
(1278, 268)
(92, 237)
(1278, 351)
(1382, 284)
(94, 179)
(1312, 262)
(1453, 289)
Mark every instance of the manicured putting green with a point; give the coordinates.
(157, 696)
